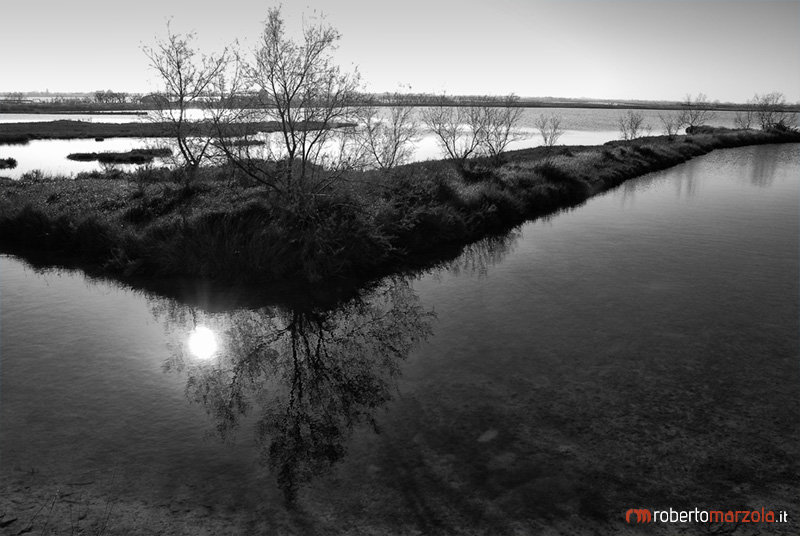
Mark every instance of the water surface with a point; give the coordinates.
(641, 349)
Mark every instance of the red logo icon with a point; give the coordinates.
(642, 515)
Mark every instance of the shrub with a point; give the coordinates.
(608, 154)
(645, 151)
(632, 126)
(551, 172)
(7, 163)
(135, 156)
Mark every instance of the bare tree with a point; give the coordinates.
(632, 126)
(15, 96)
(770, 111)
(231, 113)
(500, 118)
(549, 126)
(485, 127)
(299, 86)
(671, 123)
(186, 80)
(109, 96)
(696, 112)
(745, 118)
(458, 129)
(388, 134)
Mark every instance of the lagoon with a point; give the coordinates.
(641, 349)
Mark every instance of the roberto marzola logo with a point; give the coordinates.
(642, 515)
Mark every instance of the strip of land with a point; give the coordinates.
(413, 99)
(134, 156)
(11, 133)
(152, 223)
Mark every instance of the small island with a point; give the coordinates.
(134, 156)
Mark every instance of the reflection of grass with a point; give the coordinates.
(135, 156)
(14, 139)
(222, 226)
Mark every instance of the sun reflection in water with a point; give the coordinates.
(202, 342)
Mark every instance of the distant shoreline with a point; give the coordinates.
(7, 107)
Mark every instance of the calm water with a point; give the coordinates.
(640, 350)
(50, 156)
(583, 126)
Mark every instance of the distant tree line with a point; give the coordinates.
(14, 96)
(108, 96)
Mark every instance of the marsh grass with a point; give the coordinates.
(8, 163)
(69, 129)
(14, 139)
(134, 156)
(150, 223)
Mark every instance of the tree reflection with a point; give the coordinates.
(764, 167)
(308, 376)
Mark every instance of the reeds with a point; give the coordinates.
(134, 156)
(7, 163)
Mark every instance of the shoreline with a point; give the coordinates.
(10, 107)
(133, 227)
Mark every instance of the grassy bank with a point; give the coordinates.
(71, 107)
(134, 156)
(223, 227)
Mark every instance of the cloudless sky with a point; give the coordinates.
(626, 49)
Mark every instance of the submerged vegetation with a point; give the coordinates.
(226, 226)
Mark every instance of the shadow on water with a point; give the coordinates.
(303, 377)
(298, 379)
(764, 167)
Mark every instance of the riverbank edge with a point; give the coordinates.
(122, 227)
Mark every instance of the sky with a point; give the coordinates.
(601, 49)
